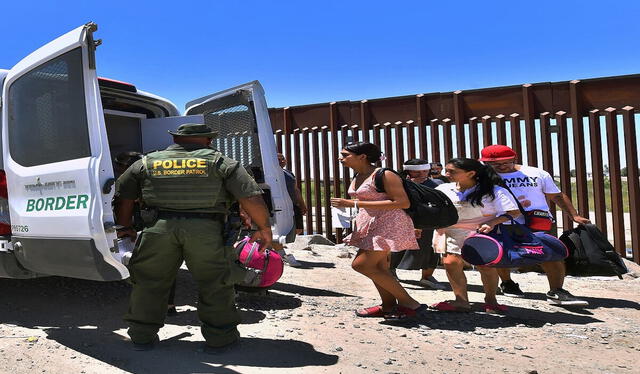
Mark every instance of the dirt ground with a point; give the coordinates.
(306, 324)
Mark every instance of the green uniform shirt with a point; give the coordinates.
(239, 184)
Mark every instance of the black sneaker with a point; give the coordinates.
(563, 297)
(511, 288)
(146, 346)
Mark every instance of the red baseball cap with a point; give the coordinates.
(497, 152)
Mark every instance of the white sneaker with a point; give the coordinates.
(291, 261)
(431, 283)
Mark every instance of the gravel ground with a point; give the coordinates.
(306, 324)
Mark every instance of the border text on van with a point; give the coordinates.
(70, 202)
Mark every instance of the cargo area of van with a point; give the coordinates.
(62, 127)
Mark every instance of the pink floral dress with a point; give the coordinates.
(378, 229)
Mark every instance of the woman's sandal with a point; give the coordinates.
(373, 311)
(495, 308)
(401, 313)
(447, 306)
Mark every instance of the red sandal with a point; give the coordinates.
(373, 311)
(447, 306)
(495, 308)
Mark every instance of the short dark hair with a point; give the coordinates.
(365, 148)
(416, 161)
(127, 158)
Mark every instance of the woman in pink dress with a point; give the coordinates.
(381, 227)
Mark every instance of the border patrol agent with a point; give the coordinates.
(187, 188)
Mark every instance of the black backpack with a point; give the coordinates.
(430, 209)
(590, 253)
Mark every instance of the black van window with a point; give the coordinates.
(47, 113)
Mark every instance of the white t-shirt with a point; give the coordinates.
(530, 185)
(502, 203)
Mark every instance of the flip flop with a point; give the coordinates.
(373, 311)
(445, 306)
(495, 308)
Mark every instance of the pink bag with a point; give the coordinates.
(263, 269)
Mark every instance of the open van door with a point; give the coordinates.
(57, 161)
(241, 118)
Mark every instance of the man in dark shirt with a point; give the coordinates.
(299, 208)
(435, 173)
(424, 259)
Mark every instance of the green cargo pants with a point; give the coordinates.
(154, 264)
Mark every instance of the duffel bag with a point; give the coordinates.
(514, 245)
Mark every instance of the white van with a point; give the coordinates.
(61, 128)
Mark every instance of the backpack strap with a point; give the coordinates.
(379, 180)
(573, 235)
(520, 207)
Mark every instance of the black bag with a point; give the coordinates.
(590, 253)
(430, 209)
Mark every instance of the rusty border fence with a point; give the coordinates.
(567, 128)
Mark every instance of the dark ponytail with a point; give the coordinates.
(486, 179)
(370, 150)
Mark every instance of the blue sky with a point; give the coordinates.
(309, 52)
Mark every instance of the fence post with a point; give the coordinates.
(579, 149)
(633, 177)
(597, 171)
(615, 180)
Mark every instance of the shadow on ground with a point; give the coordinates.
(307, 291)
(514, 316)
(85, 316)
(315, 264)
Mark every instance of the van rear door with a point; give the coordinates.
(57, 161)
(241, 118)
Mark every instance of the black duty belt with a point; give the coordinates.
(166, 214)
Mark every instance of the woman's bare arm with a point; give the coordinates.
(393, 187)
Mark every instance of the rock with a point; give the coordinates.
(337, 349)
(576, 336)
(319, 239)
(632, 267)
(458, 346)
(388, 361)
(519, 347)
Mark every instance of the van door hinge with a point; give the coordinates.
(92, 44)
